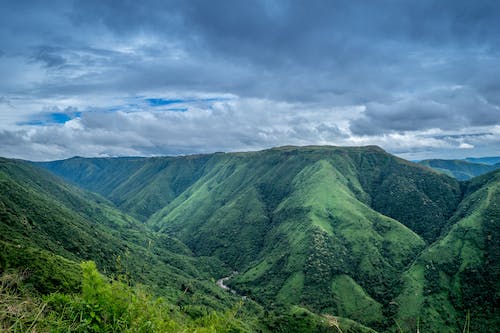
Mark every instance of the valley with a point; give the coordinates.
(319, 235)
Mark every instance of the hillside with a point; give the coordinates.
(485, 160)
(47, 224)
(49, 227)
(462, 169)
(145, 184)
(333, 229)
(138, 186)
(459, 275)
(303, 223)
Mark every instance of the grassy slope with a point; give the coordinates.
(42, 217)
(47, 226)
(460, 169)
(138, 186)
(292, 220)
(144, 186)
(460, 273)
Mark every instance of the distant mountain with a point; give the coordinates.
(463, 169)
(139, 186)
(486, 160)
(344, 231)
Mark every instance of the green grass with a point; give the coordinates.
(353, 302)
(291, 291)
(108, 306)
(458, 275)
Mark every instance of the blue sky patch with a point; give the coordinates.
(59, 118)
(51, 119)
(169, 101)
(163, 101)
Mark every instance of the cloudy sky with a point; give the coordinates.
(112, 78)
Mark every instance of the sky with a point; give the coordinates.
(90, 78)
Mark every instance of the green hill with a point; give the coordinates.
(461, 169)
(460, 273)
(299, 222)
(43, 217)
(344, 232)
(485, 160)
(47, 227)
(138, 186)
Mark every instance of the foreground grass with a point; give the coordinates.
(104, 306)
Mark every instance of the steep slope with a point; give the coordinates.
(460, 169)
(138, 186)
(300, 224)
(459, 275)
(47, 227)
(326, 228)
(144, 186)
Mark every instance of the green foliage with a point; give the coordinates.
(47, 225)
(42, 270)
(342, 231)
(104, 306)
(299, 320)
(458, 275)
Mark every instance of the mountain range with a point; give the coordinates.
(464, 169)
(320, 236)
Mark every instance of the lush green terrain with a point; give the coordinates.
(462, 169)
(48, 227)
(317, 234)
(460, 273)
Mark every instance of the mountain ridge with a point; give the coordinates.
(465, 169)
(304, 225)
(273, 212)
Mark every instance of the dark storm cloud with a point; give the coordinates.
(326, 49)
(49, 57)
(402, 67)
(445, 109)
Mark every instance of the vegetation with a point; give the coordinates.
(458, 276)
(48, 226)
(317, 234)
(106, 306)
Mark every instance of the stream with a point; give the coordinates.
(221, 284)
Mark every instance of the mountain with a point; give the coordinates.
(150, 184)
(138, 186)
(338, 230)
(327, 227)
(485, 160)
(459, 275)
(48, 226)
(463, 169)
